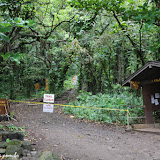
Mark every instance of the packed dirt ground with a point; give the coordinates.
(75, 139)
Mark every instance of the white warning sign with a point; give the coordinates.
(74, 80)
(48, 108)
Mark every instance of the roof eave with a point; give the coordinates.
(149, 64)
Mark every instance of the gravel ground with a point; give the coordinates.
(74, 139)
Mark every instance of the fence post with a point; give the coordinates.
(127, 120)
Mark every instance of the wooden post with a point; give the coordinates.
(4, 108)
(149, 90)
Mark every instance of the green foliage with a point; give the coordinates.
(68, 84)
(144, 12)
(7, 140)
(12, 114)
(14, 57)
(56, 39)
(108, 101)
(13, 128)
(7, 25)
(3, 37)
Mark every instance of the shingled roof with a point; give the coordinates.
(149, 71)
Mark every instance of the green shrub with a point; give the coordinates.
(109, 101)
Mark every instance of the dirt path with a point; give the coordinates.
(73, 139)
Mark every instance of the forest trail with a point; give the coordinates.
(74, 139)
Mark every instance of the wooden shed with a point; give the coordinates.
(147, 78)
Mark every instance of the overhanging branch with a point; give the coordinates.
(139, 53)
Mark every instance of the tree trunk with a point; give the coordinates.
(29, 88)
(11, 92)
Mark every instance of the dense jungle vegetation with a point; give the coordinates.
(102, 42)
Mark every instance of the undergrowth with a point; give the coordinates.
(13, 128)
(110, 101)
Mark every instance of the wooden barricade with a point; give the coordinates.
(4, 106)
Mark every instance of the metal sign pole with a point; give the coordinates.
(127, 120)
(47, 118)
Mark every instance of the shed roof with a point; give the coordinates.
(149, 71)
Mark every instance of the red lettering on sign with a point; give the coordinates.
(48, 96)
(49, 100)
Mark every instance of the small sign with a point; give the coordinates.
(152, 99)
(48, 108)
(135, 85)
(37, 86)
(74, 80)
(48, 98)
(156, 102)
(157, 95)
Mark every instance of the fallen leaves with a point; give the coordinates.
(71, 116)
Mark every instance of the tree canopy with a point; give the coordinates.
(103, 42)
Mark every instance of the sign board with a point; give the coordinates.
(47, 84)
(4, 108)
(156, 80)
(135, 85)
(74, 80)
(48, 108)
(48, 98)
(37, 86)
